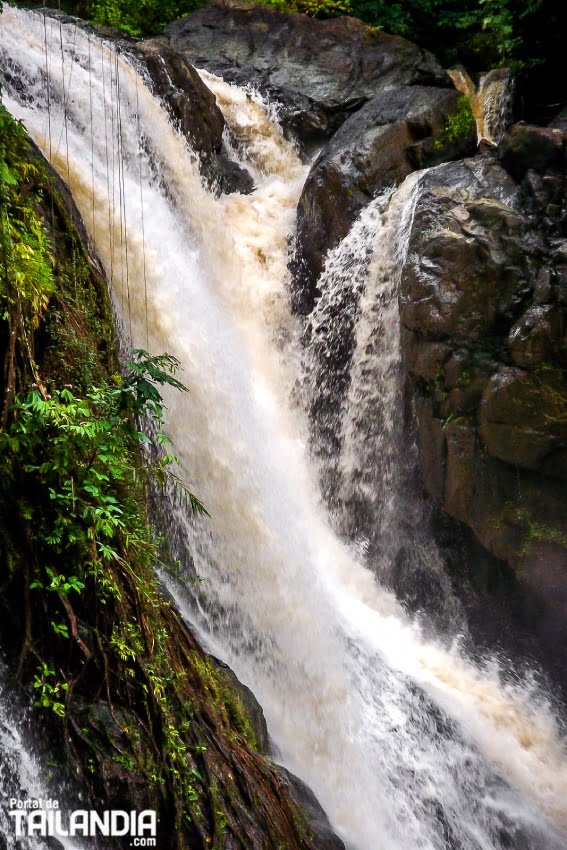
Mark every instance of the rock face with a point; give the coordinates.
(318, 820)
(484, 329)
(319, 71)
(386, 101)
(194, 109)
(399, 130)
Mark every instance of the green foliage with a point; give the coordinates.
(486, 34)
(314, 8)
(460, 123)
(81, 453)
(48, 690)
(139, 17)
(26, 266)
(58, 583)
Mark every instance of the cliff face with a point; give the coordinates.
(483, 310)
(483, 296)
(140, 716)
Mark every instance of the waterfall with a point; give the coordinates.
(354, 377)
(21, 776)
(378, 462)
(406, 742)
(491, 101)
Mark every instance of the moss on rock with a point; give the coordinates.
(140, 715)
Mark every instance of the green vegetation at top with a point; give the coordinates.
(485, 33)
(138, 18)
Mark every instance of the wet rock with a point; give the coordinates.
(543, 569)
(560, 121)
(522, 416)
(543, 287)
(192, 104)
(467, 271)
(485, 349)
(318, 821)
(397, 131)
(194, 109)
(539, 335)
(538, 148)
(319, 71)
(251, 705)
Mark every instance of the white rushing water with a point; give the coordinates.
(407, 743)
(22, 777)
(376, 468)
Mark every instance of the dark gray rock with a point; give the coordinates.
(194, 109)
(320, 71)
(192, 105)
(396, 132)
(527, 147)
(467, 269)
(486, 359)
(317, 819)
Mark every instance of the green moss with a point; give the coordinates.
(127, 695)
(537, 532)
(226, 700)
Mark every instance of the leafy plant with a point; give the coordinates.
(460, 123)
(314, 8)
(80, 450)
(49, 691)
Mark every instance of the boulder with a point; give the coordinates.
(399, 130)
(194, 109)
(190, 102)
(483, 339)
(527, 147)
(318, 71)
(467, 270)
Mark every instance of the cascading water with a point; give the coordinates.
(377, 465)
(21, 777)
(491, 101)
(406, 743)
